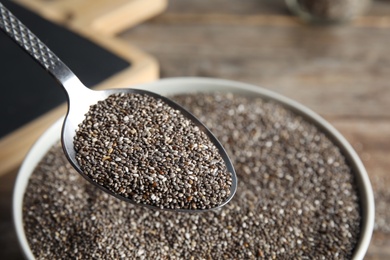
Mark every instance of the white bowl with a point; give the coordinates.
(192, 85)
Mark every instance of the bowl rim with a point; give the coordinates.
(188, 85)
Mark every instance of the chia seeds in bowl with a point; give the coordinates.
(302, 192)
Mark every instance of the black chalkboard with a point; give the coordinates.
(27, 90)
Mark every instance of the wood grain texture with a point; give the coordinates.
(340, 72)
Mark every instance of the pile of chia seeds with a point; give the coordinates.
(139, 147)
(296, 198)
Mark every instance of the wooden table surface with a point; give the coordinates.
(341, 72)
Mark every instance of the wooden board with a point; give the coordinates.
(99, 21)
(105, 16)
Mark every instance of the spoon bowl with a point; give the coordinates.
(74, 117)
(80, 99)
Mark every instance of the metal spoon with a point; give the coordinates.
(80, 98)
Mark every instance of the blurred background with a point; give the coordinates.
(330, 59)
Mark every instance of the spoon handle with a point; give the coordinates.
(17, 31)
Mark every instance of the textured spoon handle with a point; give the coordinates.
(33, 46)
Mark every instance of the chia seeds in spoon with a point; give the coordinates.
(141, 148)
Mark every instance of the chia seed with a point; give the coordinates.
(139, 147)
(296, 198)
